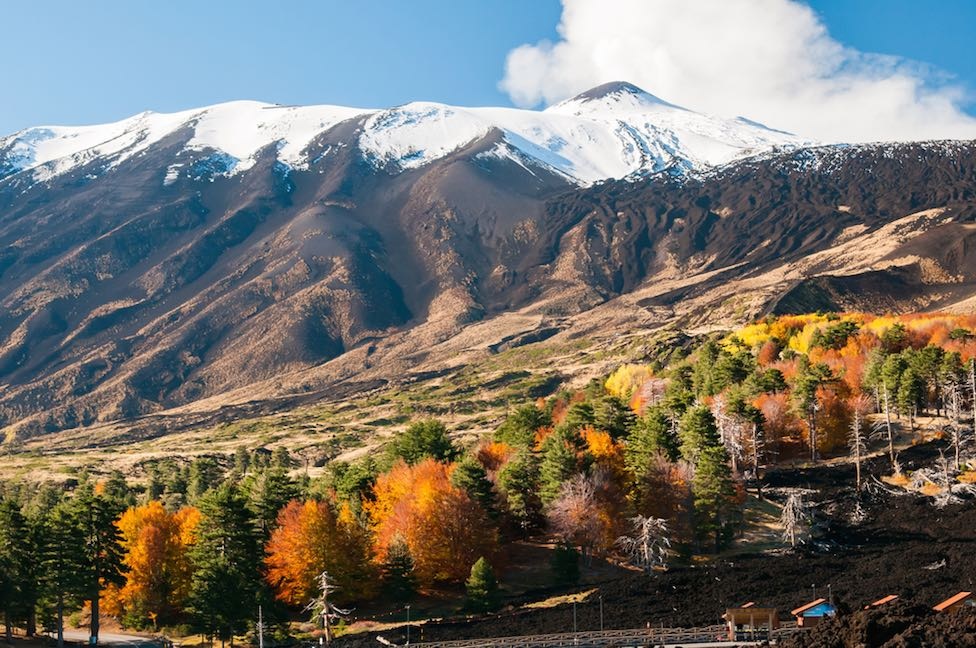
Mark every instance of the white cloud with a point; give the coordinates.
(769, 60)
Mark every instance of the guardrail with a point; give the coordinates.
(593, 639)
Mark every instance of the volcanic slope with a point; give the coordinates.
(173, 277)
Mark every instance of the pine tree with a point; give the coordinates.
(482, 588)
(565, 564)
(62, 563)
(270, 491)
(518, 482)
(519, 427)
(423, 440)
(398, 577)
(204, 475)
(703, 379)
(225, 583)
(650, 437)
(242, 460)
(101, 556)
(911, 392)
(470, 476)
(281, 458)
(698, 432)
(809, 379)
(612, 415)
(713, 494)
(560, 461)
(15, 554)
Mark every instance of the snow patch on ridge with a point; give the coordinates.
(613, 131)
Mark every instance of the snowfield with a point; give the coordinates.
(613, 131)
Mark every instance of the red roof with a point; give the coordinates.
(949, 602)
(882, 601)
(804, 608)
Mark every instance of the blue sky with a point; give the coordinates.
(69, 62)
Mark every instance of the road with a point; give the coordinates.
(112, 639)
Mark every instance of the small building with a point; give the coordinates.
(813, 613)
(881, 601)
(748, 622)
(957, 602)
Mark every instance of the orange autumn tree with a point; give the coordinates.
(312, 537)
(445, 530)
(156, 563)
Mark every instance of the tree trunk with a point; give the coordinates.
(60, 619)
(7, 629)
(887, 412)
(93, 625)
(857, 449)
(812, 423)
(32, 621)
(972, 390)
(755, 458)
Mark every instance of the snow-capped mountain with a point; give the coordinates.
(166, 259)
(612, 131)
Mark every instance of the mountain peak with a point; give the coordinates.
(616, 95)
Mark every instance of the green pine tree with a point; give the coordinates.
(62, 563)
(911, 394)
(697, 432)
(398, 575)
(101, 551)
(561, 459)
(15, 556)
(205, 474)
(650, 437)
(470, 476)
(565, 565)
(519, 427)
(482, 588)
(518, 482)
(423, 440)
(269, 492)
(225, 584)
(613, 416)
(713, 493)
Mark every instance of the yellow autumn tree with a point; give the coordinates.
(627, 379)
(156, 563)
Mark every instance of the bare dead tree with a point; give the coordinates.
(731, 430)
(323, 608)
(758, 447)
(573, 515)
(887, 413)
(954, 428)
(972, 390)
(648, 544)
(795, 519)
(860, 406)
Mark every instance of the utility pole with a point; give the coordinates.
(408, 624)
(601, 612)
(575, 637)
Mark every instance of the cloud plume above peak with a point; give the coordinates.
(769, 60)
